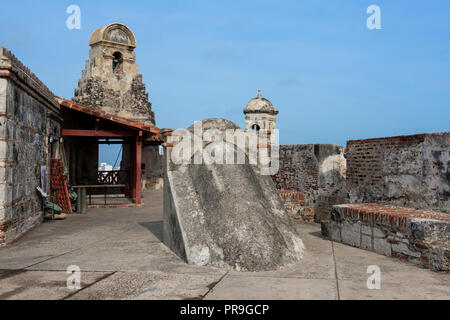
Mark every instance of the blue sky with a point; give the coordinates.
(331, 78)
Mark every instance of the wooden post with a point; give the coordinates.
(138, 167)
(132, 170)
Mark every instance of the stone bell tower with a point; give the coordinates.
(111, 79)
(260, 114)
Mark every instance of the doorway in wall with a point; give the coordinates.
(114, 166)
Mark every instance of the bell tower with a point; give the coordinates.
(111, 79)
(260, 114)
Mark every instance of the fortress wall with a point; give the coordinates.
(29, 115)
(411, 171)
(311, 179)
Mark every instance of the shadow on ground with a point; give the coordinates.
(155, 227)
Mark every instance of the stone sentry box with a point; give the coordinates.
(29, 116)
(417, 236)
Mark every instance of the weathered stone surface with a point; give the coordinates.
(111, 79)
(152, 167)
(411, 171)
(260, 114)
(227, 215)
(29, 115)
(311, 179)
(440, 259)
(351, 233)
(381, 246)
(366, 242)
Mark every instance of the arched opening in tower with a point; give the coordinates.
(117, 62)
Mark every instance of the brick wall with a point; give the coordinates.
(296, 204)
(311, 179)
(411, 171)
(28, 115)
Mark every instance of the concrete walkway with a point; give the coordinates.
(120, 254)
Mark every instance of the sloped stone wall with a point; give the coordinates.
(226, 215)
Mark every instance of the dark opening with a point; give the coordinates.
(117, 62)
(255, 127)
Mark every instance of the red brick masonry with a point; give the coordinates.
(295, 205)
(410, 171)
(394, 217)
(364, 165)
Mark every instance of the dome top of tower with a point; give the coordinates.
(260, 105)
(114, 33)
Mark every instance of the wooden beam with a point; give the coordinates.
(113, 142)
(97, 133)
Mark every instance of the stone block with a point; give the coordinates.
(4, 149)
(381, 246)
(366, 242)
(378, 233)
(399, 235)
(3, 95)
(429, 230)
(6, 194)
(351, 233)
(336, 232)
(403, 248)
(401, 232)
(440, 259)
(366, 229)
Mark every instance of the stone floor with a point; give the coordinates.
(120, 254)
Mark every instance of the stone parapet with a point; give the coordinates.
(417, 236)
